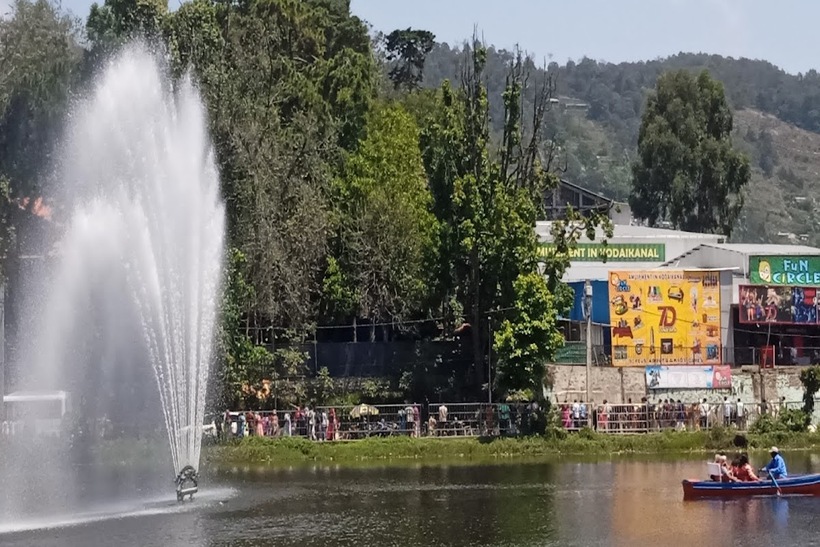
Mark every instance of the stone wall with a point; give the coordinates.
(618, 385)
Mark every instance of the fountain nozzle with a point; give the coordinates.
(187, 483)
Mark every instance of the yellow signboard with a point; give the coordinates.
(665, 317)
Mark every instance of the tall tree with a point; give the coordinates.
(687, 171)
(40, 61)
(386, 230)
(408, 49)
(288, 85)
(116, 21)
(487, 201)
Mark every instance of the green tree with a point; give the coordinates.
(487, 201)
(288, 87)
(687, 171)
(240, 354)
(386, 230)
(408, 49)
(40, 61)
(528, 337)
(116, 21)
(810, 378)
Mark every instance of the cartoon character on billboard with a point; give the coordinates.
(764, 270)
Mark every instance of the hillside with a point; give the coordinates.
(781, 206)
(596, 120)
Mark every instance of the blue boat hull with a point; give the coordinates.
(797, 485)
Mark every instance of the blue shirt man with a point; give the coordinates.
(776, 467)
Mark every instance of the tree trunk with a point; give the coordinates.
(355, 330)
(478, 354)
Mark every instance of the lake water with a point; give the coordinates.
(566, 503)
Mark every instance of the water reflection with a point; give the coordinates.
(569, 504)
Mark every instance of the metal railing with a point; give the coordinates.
(342, 423)
(668, 415)
(484, 419)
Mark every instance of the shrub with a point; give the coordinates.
(719, 437)
(789, 420)
(794, 420)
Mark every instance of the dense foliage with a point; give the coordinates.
(687, 171)
(391, 182)
(598, 115)
(810, 378)
(352, 196)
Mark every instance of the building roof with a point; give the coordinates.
(747, 249)
(768, 249)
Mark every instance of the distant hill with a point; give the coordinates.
(596, 120)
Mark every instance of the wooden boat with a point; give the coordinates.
(796, 485)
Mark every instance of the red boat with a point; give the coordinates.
(797, 485)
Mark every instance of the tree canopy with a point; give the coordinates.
(392, 183)
(687, 171)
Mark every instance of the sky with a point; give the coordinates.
(782, 32)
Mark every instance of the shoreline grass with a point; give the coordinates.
(378, 451)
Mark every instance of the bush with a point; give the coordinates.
(792, 419)
(763, 425)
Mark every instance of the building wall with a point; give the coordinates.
(600, 302)
(618, 385)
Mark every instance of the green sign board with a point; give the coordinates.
(612, 252)
(785, 270)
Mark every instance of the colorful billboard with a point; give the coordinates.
(779, 305)
(784, 270)
(714, 377)
(611, 252)
(665, 317)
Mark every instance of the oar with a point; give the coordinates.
(779, 492)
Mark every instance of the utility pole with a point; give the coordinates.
(588, 316)
(490, 360)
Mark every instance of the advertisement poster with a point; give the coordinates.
(665, 317)
(689, 377)
(785, 270)
(780, 305)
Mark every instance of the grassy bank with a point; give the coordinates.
(254, 450)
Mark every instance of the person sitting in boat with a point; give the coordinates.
(744, 472)
(777, 467)
(726, 474)
(717, 461)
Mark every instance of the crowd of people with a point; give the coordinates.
(414, 420)
(664, 414)
(437, 419)
(741, 470)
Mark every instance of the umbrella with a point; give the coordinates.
(363, 410)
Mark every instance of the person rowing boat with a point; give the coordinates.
(776, 468)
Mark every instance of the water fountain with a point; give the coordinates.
(137, 286)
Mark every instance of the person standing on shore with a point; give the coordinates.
(576, 415)
(704, 414)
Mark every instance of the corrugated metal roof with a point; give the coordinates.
(766, 249)
(748, 249)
